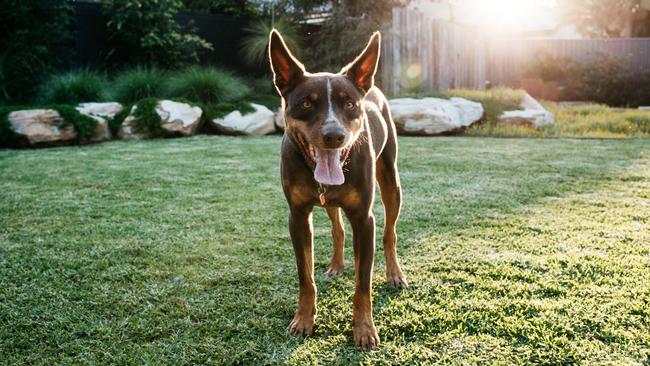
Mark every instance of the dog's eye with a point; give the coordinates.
(349, 105)
(306, 104)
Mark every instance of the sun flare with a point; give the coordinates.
(503, 15)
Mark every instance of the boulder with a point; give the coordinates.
(434, 116)
(179, 119)
(532, 114)
(259, 122)
(41, 127)
(100, 112)
(279, 119)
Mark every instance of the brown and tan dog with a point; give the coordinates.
(339, 138)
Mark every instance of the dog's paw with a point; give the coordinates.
(334, 270)
(397, 279)
(302, 325)
(365, 336)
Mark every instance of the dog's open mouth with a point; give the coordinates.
(329, 162)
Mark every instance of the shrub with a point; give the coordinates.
(7, 134)
(604, 79)
(495, 101)
(221, 110)
(207, 86)
(74, 87)
(254, 47)
(34, 33)
(133, 85)
(84, 126)
(265, 93)
(146, 119)
(149, 31)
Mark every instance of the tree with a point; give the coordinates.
(34, 35)
(609, 18)
(346, 31)
(240, 8)
(149, 31)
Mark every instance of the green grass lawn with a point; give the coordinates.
(177, 252)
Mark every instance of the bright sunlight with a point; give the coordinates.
(505, 15)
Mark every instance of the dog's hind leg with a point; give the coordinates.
(391, 196)
(338, 238)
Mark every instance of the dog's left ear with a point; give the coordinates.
(362, 70)
(287, 71)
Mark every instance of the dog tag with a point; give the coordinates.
(322, 199)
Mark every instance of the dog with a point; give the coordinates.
(339, 139)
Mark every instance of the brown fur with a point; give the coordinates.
(362, 113)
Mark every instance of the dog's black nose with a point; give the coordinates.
(334, 138)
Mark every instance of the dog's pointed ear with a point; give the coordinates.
(362, 70)
(287, 71)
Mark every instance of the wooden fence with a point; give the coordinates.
(509, 59)
(423, 54)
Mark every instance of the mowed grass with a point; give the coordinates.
(176, 252)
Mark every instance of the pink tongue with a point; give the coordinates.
(328, 167)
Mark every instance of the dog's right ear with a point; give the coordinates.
(287, 71)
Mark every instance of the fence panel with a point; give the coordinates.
(423, 54)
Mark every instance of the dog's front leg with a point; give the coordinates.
(300, 228)
(363, 238)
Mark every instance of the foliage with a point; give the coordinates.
(608, 18)
(147, 120)
(238, 8)
(115, 122)
(74, 87)
(207, 85)
(254, 47)
(346, 32)
(148, 31)
(34, 34)
(84, 126)
(518, 252)
(141, 82)
(608, 79)
(549, 66)
(495, 101)
(7, 134)
(221, 110)
(265, 93)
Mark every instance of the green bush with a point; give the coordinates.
(495, 101)
(265, 93)
(254, 47)
(221, 110)
(148, 30)
(604, 79)
(147, 120)
(74, 87)
(133, 85)
(7, 134)
(207, 86)
(84, 126)
(34, 35)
